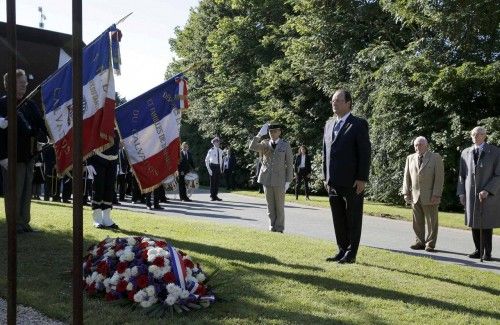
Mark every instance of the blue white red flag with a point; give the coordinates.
(149, 128)
(99, 59)
(178, 266)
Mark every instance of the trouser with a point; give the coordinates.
(156, 197)
(275, 197)
(487, 240)
(228, 175)
(302, 176)
(214, 180)
(136, 192)
(425, 214)
(24, 183)
(104, 183)
(122, 181)
(182, 186)
(347, 214)
(67, 188)
(51, 186)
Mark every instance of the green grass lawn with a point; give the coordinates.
(262, 277)
(377, 209)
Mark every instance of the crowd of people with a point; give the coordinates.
(108, 178)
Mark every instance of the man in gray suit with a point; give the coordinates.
(276, 172)
(479, 191)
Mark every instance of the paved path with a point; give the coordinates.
(395, 235)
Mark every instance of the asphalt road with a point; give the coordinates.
(452, 246)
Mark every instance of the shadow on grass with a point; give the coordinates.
(374, 292)
(426, 275)
(458, 261)
(225, 253)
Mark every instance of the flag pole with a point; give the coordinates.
(77, 163)
(123, 19)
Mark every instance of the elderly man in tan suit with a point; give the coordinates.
(422, 188)
(276, 172)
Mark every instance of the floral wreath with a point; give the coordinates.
(145, 271)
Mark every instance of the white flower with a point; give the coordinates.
(150, 290)
(139, 296)
(184, 294)
(131, 241)
(201, 277)
(127, 255)
(153, 268)
(149, 302)
(130, 286)
(171, 299)
(189, 272)
(134, 271)
(174, 289)
(106, 283)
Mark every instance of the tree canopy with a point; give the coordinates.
(414, 67)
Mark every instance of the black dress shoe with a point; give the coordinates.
(99, 226)
(487, 257)
(417, 246)
(347, 259)
(158, 207)
(336, 258)
(475, 254)
(113, 226)
(218, 199)
(187, 200)
(213, 199)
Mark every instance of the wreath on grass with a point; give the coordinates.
(146, 272)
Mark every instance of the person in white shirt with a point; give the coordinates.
(214, 163)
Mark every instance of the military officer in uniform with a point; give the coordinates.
(213, 161)
(104, 164)
(276, 172)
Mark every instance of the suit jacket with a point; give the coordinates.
(473, 178)
(186, 164)
(307, 163)
(346, 158)
(277, 164)
(424, 182)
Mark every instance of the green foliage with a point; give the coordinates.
(414, 67)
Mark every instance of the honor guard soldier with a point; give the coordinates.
(214, 161)
(276, 172)
(104, 164)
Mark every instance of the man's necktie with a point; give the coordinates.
(273, 144)
(420, 159)
(336, 128)
(476, 155)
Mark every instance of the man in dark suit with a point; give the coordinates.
(302, 171)
(185, 166)
(346, 165)
(229, 162)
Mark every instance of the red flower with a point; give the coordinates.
(201, 290)
(130, 295)
(144, 255)
(91, 289)
(169, 277)
(144, 244)
(109, 296)
(103, 268)
(142, 281)
(121, 267)
(160, 243)
(100, 251)
(188, 263)
(121, 286)
(159, 261)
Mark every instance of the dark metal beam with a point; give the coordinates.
(77, 165)
(11, 203)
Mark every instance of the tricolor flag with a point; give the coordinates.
(149, 128)
(99, 58)
(178, 266)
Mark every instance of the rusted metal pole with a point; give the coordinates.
(77, 164)
(11, 202)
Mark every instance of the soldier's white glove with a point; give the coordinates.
(287, 185)
(3, 123)
(90, 171)
(263, 130)
(209, 172)
(39, 146)
(4, 163)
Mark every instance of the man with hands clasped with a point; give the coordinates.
(422, 188)
(276, 172)
(213, 161)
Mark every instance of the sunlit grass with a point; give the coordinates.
(262, 277)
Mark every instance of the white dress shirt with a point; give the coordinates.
(214, 156)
